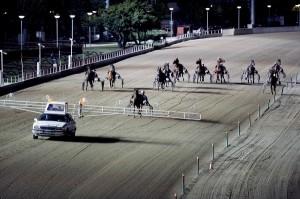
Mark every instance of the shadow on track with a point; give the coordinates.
(106, 140)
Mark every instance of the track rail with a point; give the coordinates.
(96, 110)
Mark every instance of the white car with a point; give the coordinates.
(54, 122)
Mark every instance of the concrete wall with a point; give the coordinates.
(260, 30)
(228, 32)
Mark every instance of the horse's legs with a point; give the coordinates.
(92, 85)
(273, 89)
(82, 86)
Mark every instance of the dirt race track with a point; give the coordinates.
(126, 157)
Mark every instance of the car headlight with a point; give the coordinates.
(36, 127)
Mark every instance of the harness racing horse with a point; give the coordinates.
(180, 70)
(278, 70)
(200, 72)
(274, 76)
(249, 73)
(138, 100)
(221, 71)
(90, 76)
(273, 80)
(112, 76)
(163, 78)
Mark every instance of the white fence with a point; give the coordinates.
(94, 110)
(109, 56)
(91, 110)
(79, 63)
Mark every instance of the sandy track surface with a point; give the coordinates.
(125, 157)
(263, 163)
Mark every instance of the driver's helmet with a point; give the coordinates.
(278, 61)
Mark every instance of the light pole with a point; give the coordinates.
(21, 17)
(71, 54)
(56, 19)
(1, 72)
(71, 39)
(90, 14)
(38, 71)
(298, 6)
(57, 46)
(207, 9)
(239, 13)
(171, 21)
(72, 26)
(94, 27)
(269, 13)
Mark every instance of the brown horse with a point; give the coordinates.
(111, 76)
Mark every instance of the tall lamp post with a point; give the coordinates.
(239, 16)
(171, 21)
(90, 14)
(21, 17)
(38, 71)
(1, 72)
(57, 46)
(207, 9)
(94, 27)
(72, 26)
(71, 39)
(298, 6)
(56, 19)
(71, 54)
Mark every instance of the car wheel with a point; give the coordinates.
(35, 137)
(73, 133)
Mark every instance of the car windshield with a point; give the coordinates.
(52, 117)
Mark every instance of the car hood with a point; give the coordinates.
(50, 123)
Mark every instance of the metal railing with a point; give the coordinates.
(97, 110)
(75, 63)
(79, 63)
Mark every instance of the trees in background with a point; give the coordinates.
(129, 20)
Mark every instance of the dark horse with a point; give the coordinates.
(273, 80)
(200, 72)
(89, 78)
(249, 73)
(279, 70)
(180, 70)
(138, 101)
